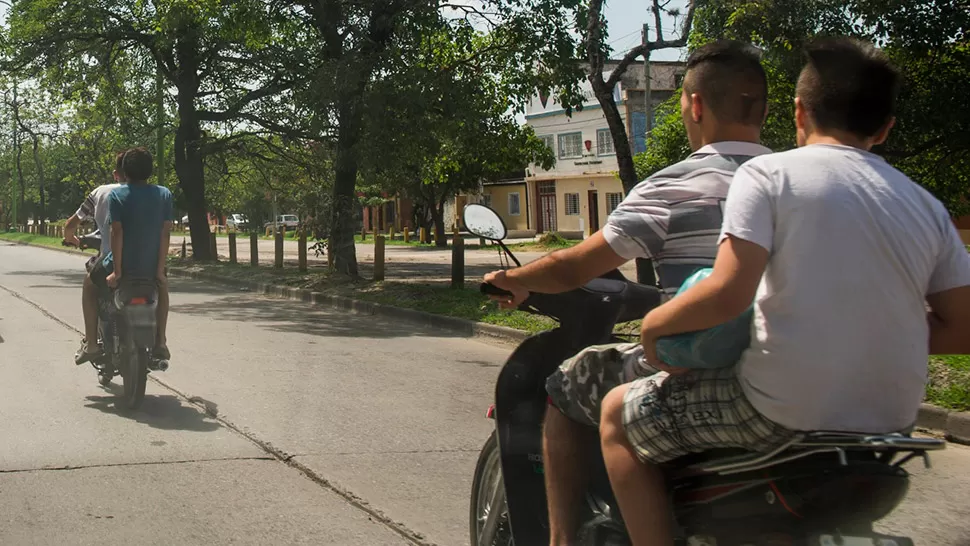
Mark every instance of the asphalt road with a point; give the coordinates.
(320, 427)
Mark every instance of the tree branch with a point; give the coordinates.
(639, 50)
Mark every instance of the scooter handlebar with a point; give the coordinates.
(492, 290)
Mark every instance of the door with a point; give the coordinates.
(594, 212)
(547, 207)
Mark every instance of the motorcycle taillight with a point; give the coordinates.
(138, 301)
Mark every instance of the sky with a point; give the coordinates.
(624, 20)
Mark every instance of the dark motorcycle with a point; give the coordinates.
(126, 332)
(821, 489)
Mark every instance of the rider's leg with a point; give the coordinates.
(161, 321)
(565, 457)
(576, 392)
(638, 486)
(89, 304)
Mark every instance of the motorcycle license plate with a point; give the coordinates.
(829, 540)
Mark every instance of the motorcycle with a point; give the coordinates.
(126, 332)
(820, 489)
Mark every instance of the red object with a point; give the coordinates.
(491, 412)
(138, 301)
(589, 145)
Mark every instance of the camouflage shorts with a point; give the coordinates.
(578, 387)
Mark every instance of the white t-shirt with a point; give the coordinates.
(96, 206)
(840, 338)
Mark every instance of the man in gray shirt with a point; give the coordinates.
(672, 218)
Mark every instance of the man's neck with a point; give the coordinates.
(840, 138)
(732, 134)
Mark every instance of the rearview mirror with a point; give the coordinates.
(484, 222)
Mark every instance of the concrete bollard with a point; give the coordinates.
(458, 262)
(232, 248)
(379, 258)
(301, 247)
(254, 250)
(278, 260)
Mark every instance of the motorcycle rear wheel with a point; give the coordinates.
(135, 377)
(486, 486)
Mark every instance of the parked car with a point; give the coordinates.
(237, 222)
(285, 221)
(185, 219)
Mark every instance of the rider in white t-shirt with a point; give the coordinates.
(840, 253)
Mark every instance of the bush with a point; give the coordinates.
(553, 240)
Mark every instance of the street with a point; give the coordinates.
(319, 427)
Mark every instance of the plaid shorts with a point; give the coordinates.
(669, 416)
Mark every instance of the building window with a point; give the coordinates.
(571, 146)
(548, 141)
(514, 209)
(604, 142)
(572, 204)
(613, 201)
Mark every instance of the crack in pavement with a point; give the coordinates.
(275, 453)
(143, 463)
(404, 452)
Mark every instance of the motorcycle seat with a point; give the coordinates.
(637, 299)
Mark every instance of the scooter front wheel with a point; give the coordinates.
(489, 511)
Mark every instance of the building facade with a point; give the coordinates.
(575, 197)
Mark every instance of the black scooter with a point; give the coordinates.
(820, 489)
(126, 331)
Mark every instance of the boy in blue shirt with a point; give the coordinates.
(140, 216)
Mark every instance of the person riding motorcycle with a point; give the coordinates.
(94, 206)
(673, 218)
(840, 253)
(140, 217)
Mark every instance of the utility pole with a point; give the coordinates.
(647, 106)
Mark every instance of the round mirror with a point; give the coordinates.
(484, 222)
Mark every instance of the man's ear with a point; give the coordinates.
(696, 107)
(801, 114)
(884, 132)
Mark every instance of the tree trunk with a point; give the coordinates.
(188, 155)
(438, 216)
(344, 187)
(39, 165)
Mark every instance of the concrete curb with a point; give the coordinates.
(955, 425)
(462, 327)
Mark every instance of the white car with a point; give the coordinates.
(286, 221)
(236, 221)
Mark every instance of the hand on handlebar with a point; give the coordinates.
(517, 294)
(113, 280)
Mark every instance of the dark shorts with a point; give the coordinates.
(99, 274)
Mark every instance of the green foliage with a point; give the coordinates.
(927, 41)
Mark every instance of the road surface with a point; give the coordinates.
(321, 427)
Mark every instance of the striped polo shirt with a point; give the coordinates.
(674, 216)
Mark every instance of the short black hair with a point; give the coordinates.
(729, 77)
(848, 85)
(137, 164)
(119, 161)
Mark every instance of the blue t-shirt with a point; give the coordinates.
(142, 210)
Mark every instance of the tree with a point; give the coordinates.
(361, 42)
(223, 60)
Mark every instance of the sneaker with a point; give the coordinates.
(162, 353)
(87, 354)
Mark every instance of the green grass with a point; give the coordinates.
(42, 240)
(949, 382)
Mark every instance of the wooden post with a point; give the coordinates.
(182, 255)
(407, 235)
(278, 262)
(379, 258)
(301, 247)
(213, 246)
(232, 247)
(363, 234)
(423, 235)
(481, 242)
(254, 250)
(458, 261)
(390, 234)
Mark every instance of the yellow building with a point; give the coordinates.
(510, 199)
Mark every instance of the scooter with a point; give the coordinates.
(126, 332)
(820, 489)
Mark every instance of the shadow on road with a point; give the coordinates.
(279, 315)
(165, 411)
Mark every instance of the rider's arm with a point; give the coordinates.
(949, 297)
(117, 243)
(70, 227)
(742, 257)
(568, 269)
(166, 235)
